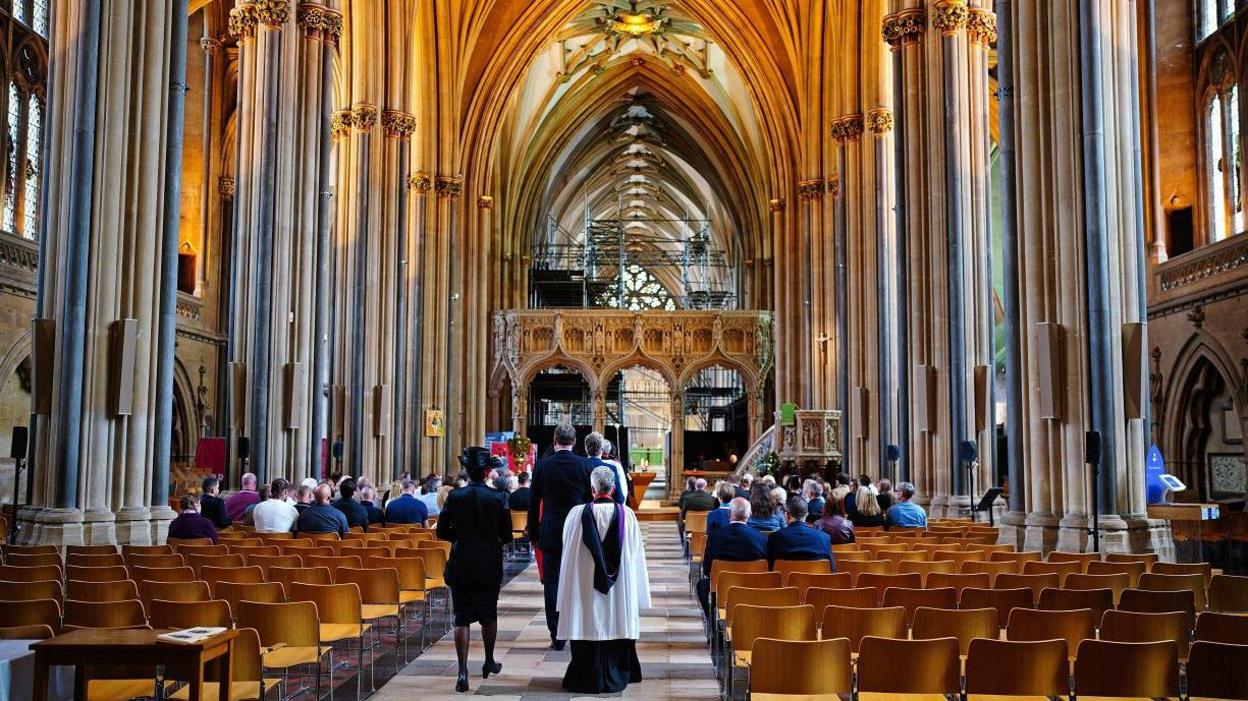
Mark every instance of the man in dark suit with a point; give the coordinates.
(560, 482)
(735, 542)
(211, 506)
(594, 447)
(519, 499)
(798, 541)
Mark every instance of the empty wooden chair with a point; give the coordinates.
(738, 596)
(33, 559)
(175, 543)
(210, 549)
(1145, 601)
(856, 623)
(247, 683)
(262, 592)
(898, 557)
(1035, 624)
(1082, 558)
(1061, 569)
(825, 666)
(7, 550)
(1035, 582)
(198, 562)
(913, 599)
(1134, 627)
(925, 569)
(865, 597)
(123, 590)
(111, 573)
(753, 580)
(1194, 582)
(881, 582)
(1228, 594)
(305, 575)
(381, 594)
(964, 625)
(1133, 570)
(789, 567)
(291, 632)
(189, 614)
(1098, 600)
(857, 568)
(931, 666)
(805, 580)
(1017, 668)
(90, 550)
(32, 632)
(1154, 669)
(853, 556)
(271, 550)
(958, 582)
(104, 614)
(1148, 559)
(992, 568)
(98, 560)
(1203, 569)
(774, 622)
(32, 591)
(162, 574)
(214, 575)
(129, 550)
(1003, 600)
(172, 591)
(1115, 583)
(1216, 670)
(333, 564)
(340, 615)
(1222, 628)
(19, 573)
(1018, 558)
(154, 560)
(46, 612)
(959, 558)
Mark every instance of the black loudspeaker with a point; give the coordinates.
(337, 450)
(244, 448)
(1092, 448)
(892, 452)
(17, 450)
(968, 451)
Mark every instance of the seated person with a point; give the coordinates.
(275, 514)
(321, 516)
(815, 502)
(190, 524)
(798, 541)
(406, 508)
(429, 496)
(867, 511)
(839, 528)
(764, 514)
(368, 499)
(735, 542)
(725, 492)
(519, 499)
(357, 515)
(303, 496)
(905, 513)
(698, 500)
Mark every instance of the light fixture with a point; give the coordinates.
(635, 24)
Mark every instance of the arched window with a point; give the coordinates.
(12, 150)
(1220, 130)
(24, 69)
(34, 166)
(1212, 14)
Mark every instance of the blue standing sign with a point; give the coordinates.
(1154, 468)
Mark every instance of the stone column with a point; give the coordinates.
(600, 409)
(676, 470)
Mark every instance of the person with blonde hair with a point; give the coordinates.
(867, 511)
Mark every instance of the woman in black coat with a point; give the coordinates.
(477, 522)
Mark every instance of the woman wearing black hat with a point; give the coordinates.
(477, 522)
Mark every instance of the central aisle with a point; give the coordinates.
(672, 649)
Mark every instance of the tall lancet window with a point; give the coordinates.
(1220, 144)
(24, 68)
(33, 168)
(12, 156)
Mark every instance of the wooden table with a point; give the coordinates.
(85, 649)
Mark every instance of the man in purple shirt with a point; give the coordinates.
(237, 504)
(190, 524)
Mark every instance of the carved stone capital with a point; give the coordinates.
(808, 190)
(364, 116)
(398, 124)
(982, 26)
(847, 128)
(485, 202)
(448, 185)
(225, 187)
(880, 120)
(340, 124)
(319, 21)
(905, 27)
(210, 45)
(420, 182)
(272, 13)
(834, 187)
(242, 21)
(950, 16)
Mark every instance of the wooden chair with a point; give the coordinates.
(1133, 570)
(413, 585)
(210, 549)
(1228, 594)
(1203, 569)
(263, 592)
(1018, 558)
(993, 548)
(1098, 600)
(1115, 583)
(958, 582)
(340, 615)
(247, 575)
(774, 622)
(190, 614)
(964, 625)
(789, 567)
(1194, 583)
(1148, 559)
(1154, 669)
(380, 592)
(857, 568)
(1036, 624)
(264, 562)
(1017, 668)
(104, 614)
(866, 597)
(100, 560)
(1082, 558)
(1061, 569)
(856, 623)
(737, 596)
(246, 681)
(110, 573)
(926, 569)
(129, 550)
(806, 580)
(914, 599)
(1145, 601)
(42, 612)
(105, 549)
(150, 561)
(8, 550)
(198, 562)
(1208, 675)
(162, 574)
(33, 559)
(124, 590)
(333, 564)
(32, 591)
(269, 550)
(304, 575)
(277, 535)
(754, 580)
(1003, 600)
(32, 632)
(853, 556)
(20, 573)
(173, 591)
(290, 632)
(898, 557)
(1035, 582)
(176, 543)
(1133, 627)
(825, 666)
(959, 557)
(931, 666)
(992, 568)
(882, 582)
(1222, 628)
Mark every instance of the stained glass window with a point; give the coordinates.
(30, 202)
(12, 146)
(1216, 171)
(644, 291)
(40, 20)
(19, 11)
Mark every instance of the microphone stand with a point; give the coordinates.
(18, 465)
(1095, 530)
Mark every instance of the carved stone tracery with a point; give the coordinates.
(905, 27)
(847, 128)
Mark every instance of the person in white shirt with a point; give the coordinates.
(276, 514)
(429, 497)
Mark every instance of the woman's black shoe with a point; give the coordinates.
(490, 668)
(461, 685)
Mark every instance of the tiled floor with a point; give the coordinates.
(672, 649)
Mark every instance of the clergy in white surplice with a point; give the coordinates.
(603, 585)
